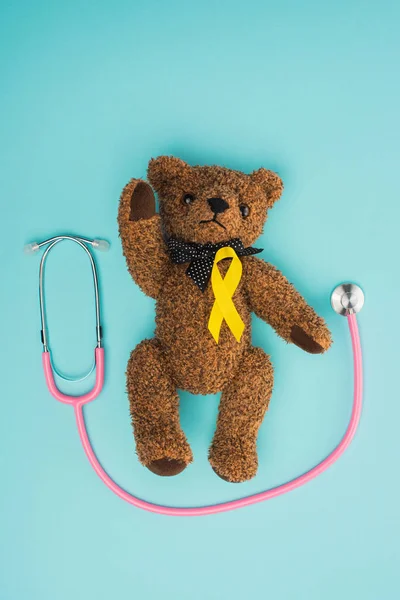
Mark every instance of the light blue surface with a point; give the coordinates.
(89, 92)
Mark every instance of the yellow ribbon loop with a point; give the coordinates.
(223, 307)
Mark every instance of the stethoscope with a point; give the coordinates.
(347, 299)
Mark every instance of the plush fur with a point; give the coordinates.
(183, 353)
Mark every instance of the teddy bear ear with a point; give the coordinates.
(270, 182)
(163, 169)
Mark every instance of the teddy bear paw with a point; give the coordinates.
(306, 342)
(234, 459)
(143, 204)
(167, 467)
(167, 454)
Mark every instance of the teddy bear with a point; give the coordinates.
(195, 258)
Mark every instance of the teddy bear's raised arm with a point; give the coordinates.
(276, 301)
(141, 235)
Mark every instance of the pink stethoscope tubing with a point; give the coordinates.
(94, 392)
(198, 511)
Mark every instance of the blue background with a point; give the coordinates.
(89, 92)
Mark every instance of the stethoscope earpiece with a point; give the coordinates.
(31, 248)
(101, 245)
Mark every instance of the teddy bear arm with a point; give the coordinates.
(275, 300)
(142, 239)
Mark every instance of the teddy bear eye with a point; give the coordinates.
(188, 199)
(244, 210)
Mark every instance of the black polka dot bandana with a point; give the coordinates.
(201, 257)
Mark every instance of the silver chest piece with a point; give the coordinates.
(347, 298)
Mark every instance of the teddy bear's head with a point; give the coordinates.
(212, 204)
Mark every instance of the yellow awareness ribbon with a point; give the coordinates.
(224, 288)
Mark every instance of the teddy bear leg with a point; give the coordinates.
(244, 401)
(161, 444)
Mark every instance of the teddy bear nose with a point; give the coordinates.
(218, 205)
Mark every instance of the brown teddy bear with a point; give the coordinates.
(173, 257)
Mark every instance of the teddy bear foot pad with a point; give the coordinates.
(167, 467)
